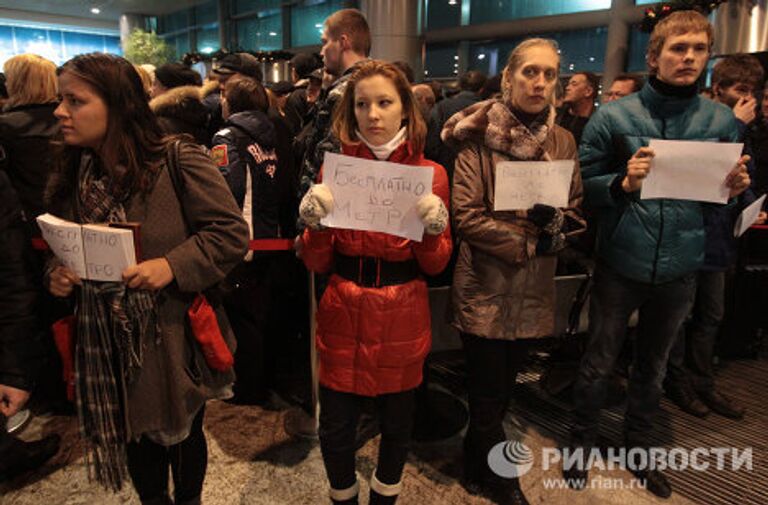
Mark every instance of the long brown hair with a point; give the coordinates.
(133, 141)
(344, 121)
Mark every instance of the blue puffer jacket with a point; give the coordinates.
(655, 240)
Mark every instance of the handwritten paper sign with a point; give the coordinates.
(748, 217)
(375, 195)
(95, 252)
(688, 170)
(521, 184)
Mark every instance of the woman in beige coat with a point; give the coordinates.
(141, 379)
(503, 290)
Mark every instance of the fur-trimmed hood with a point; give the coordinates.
(175, 98)
(181, 111)
(492, 124)
(208, 88)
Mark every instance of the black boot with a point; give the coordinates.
(684, 397)
(384, 494)
(162, 500)
(345, 496)
(721, 404)
(654, 481)
(19, 457)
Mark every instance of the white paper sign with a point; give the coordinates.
(92, 251)
(748, 216)
(374, 195)
(521, 184)
(687, 170)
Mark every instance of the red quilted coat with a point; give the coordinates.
(373, 340)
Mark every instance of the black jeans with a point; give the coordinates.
(492, 368)
(339, 413)
(148, 465)
(690, 360)
(663, 308)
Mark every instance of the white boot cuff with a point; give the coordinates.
(345, 494)
(385, 489)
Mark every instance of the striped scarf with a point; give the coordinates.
(114, 323)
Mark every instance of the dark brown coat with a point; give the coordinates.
(174, 380)
(501, 289)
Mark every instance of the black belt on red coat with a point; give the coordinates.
(372, 272)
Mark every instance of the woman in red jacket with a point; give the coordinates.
(373, 323)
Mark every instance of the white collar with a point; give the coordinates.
(383, 151)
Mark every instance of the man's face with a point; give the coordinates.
(618, 89)
(577, 89)
(331, 53)
(764, 104)
(682, 58)
(731, 95)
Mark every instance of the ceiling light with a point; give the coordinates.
(273, 34)
(95, 10)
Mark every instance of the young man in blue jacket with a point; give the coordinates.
(690, 377)
(647, 250)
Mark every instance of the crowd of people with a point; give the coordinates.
(212, 168)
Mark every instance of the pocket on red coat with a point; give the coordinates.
(404, 354)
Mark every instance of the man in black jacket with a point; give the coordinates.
(21, 341)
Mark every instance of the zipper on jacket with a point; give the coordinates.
(661, 218)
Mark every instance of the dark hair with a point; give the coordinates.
(3, 89)
(406, 69)
(344, 121)
(637, 80)
(244, 94)
(738, 68)
(133, 141)
(593, 81)
(491, 87)
(472, 81)
(305, 63)
(173, 75)
(352, 23)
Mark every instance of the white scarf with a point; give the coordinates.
(383, 151)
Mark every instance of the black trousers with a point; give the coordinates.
(492, 368)
(148, 464)
(339, 413)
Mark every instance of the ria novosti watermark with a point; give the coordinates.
(512, 459)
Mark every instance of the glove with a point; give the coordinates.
(550, 244)
(433, 214)
(549, 219)
(316, 204)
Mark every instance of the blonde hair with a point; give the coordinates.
(30, 79)
(344, 121)
(677, 23)
(515, 59)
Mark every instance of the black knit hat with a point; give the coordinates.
(305, 63)
(282, 88)
(173, 75)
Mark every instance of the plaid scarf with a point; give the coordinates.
(113, 325)
(493, 124)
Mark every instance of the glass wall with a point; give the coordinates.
(646, 2)
(307, 21)
(256, 6)
(260, 33)
(55, 44)
(638, 42)
(442, 60)
(443, 14)
(485, 11)
(580, 50)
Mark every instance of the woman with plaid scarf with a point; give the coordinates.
(141, 379)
